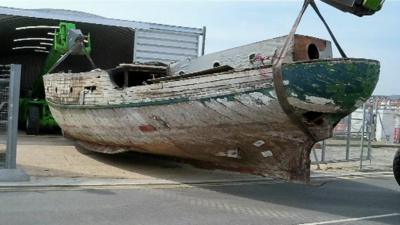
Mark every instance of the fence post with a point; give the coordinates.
(12, 126)
(348, 137)
(362, 138)
(369, 130)
(323, 150)
(316, 158)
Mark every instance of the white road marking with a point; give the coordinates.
(352, 219)
(355, 175)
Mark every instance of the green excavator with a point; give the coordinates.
(34, 111)
(357, 7)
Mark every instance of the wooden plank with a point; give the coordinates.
(218, 69)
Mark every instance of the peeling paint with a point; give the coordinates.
(232, 153)
(259, 143)
(345, 81)
(147, 128)
(273, 94)
(267, 154)
(261, 97)
(223, 118)
(319, 100)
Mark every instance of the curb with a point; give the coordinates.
(320, 175)
(57, 182)
(39, 182)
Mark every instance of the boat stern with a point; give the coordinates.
(321, 92)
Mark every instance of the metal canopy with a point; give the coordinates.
(107, 40)
(75, 16)
(114, 41)
(152, 42)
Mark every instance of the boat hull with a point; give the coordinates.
(232, 120)
(250, 134)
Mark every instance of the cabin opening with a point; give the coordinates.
(313, 52)
(314, 117)
(216, 64)
(131, 75)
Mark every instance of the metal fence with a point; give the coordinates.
(351, 140)
(353, 136)
(350, 145)
(10, 77)
(4, 93)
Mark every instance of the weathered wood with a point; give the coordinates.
(230, 120)
(207, 118)
(218, 69)
(239, 58)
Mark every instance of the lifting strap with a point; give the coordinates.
(285, 48)
(312, 3)
(277, 66)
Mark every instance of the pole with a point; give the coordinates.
(362, 138)
(369, 143)
(348, 137)
(323, 151)
(374, 118)
(12, 127)
(203, 44)
(369, 130)
(316, 158)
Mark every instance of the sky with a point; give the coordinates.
(234, 23)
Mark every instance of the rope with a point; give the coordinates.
(285, 47)
(277, 66)
(278, 78)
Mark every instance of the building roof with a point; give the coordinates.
(76, 16)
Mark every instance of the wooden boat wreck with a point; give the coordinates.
(232, 109)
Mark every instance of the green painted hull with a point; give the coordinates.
(325, 91)
(348, 82)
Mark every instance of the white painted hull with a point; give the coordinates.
(232, 120)
(241, 126)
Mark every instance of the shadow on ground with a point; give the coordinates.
(344, 198)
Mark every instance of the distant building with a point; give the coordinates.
(384, 112)
(387, 102)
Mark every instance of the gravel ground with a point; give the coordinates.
(56, 156)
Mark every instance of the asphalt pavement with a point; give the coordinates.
(69, 186)
(366, 200)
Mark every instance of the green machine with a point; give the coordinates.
(357, 7)
(34, 112)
